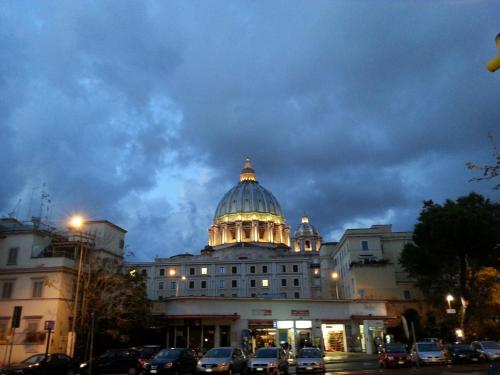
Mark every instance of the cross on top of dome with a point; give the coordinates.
(248, 173)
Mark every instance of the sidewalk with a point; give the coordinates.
(337, 357)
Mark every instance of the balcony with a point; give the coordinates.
(370, 262)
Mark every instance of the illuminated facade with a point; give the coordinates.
(248, 213)
(306, 238)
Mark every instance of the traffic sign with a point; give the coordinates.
(451, 311)
(49, 325)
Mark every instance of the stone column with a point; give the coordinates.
(238, 231)
(217, 336)
(270, 232)
(254, 235)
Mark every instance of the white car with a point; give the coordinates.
(310, 360)
(427, 353)
(269, 361)
(489, 350)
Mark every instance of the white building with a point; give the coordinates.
(37, 272)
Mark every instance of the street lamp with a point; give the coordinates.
(76, 223)
(183, 278)
(449, 298)
(335, 277)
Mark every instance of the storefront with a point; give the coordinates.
(334, 336)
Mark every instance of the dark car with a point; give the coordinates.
(310, 360)
(488, 350)
(224, 360)
(269, 361)
(122, 361)
(394, 355)
(146, 353)
(53, 364)
(461, 353)
(174, 361)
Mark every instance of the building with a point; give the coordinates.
(253, 285)
(38, 268)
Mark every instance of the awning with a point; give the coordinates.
(201, 316)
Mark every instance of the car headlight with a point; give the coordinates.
(390, 358)
(84, 364)
(271, 364)
(34, 365)
(223, 364)
(199, 363)
(168, 365)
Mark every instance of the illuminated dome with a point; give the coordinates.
(248, 213)
(306, 238)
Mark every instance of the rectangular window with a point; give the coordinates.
(173, 285)
(222, 284)
(144, 272)
(3, 330)
(162, 271)
(264, 269)
(234, 283)
(283, 282)
(203, 284)
(12, 259)
(295, 268)
(191, 271)
(265, 283)
(283, 268)
(296, 295)
(222, 269)
(204, 270)
(252, 283)
(7, 288)
(296, 282)
(234, 269)
(407, 294)
(364, 245)
(37, 288)
(191, 285)
(252, 269)
(160, 285)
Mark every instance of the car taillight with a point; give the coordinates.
(141, 362)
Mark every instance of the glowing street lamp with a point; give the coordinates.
(449, 298)
(76, 223)
(335, 277)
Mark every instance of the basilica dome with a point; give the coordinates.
(248, 213)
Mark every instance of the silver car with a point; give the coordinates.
(489, 350)
(224, 360)
(310, 360)
(269, 361)
(428, 353)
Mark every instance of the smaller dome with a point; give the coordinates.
(305, 228)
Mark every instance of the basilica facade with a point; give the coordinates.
(257, 283)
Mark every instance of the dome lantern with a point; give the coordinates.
(247, 173)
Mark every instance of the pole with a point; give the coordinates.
(11, 345)
(48, 342)
(75, 305)
(337, 289)
(177, 288)
(415, 340)
(92, 319)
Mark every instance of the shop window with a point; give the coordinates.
(364, 245)
(252, 283)
(295, 268)
(162, 271)
(283, 282)
(7, 288)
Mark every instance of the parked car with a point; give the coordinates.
(114, 361)
(53, 364)
(427, 353)
(394, 355)
(224, 360)
(269, 361)
(146, 353)
(310, 360)
(461, 353)
(488, 350)
(174, 361)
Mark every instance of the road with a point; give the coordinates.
(371, 367)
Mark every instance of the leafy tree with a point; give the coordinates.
(118, 302)
(453, 243)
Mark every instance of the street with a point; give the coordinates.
(371, 367)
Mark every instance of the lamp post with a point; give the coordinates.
(183, 278)
(335, 277)
(76, 223)
(449, 298)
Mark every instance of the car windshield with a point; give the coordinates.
(309, 353)
(428, 347)
(168, 354)
(34, 358)
(218, 353)
(490, 345)
(148, 351)
(395, 349)
(461, 347)
(266, 353)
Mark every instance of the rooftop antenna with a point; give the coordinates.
(13, 213)
(31, 199)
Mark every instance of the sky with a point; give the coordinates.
(142, 112)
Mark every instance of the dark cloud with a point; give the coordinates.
(142, 112)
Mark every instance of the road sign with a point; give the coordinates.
(49, 325)
(16, 316)
(451, 311)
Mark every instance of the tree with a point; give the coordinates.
(489, 171)
(453, 242)
(119, 304)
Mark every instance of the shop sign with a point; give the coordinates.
(264, 312)
(303, 324)
(284, 324)
(300, 312)
(376, 324)
(266, 323)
